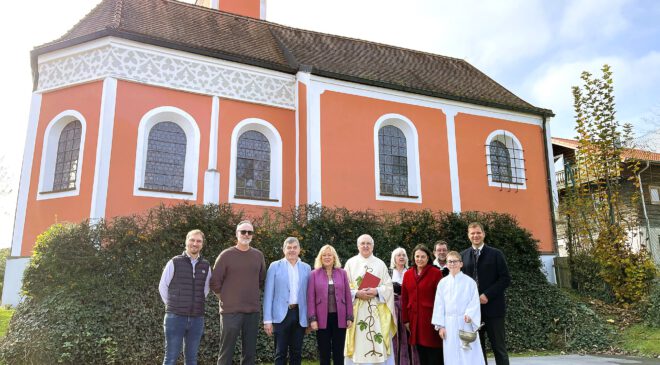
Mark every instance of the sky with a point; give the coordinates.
(535, 48)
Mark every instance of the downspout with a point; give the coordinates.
(549, 180)
(641, 194)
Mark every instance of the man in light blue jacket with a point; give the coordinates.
(285, 303)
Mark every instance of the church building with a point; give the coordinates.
(146, 102)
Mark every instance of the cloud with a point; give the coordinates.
(495, 34)
(584, 19)
(636, 87)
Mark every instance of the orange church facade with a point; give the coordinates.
(119, 124)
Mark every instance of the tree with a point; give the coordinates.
(599, 215)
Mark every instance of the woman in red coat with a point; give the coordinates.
(417, 298)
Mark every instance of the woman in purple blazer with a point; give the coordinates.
(329, 305)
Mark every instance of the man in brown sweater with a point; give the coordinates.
(238, 274)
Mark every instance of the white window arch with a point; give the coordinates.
(267, 130)
(49, 188)
(505, 160)
(186, 123)
(405, 127)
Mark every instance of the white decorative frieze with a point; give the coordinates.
(167, 70)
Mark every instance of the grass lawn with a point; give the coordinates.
(642, 340)
(5, 316)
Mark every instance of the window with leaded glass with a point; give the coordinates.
(500, 162)
(166, 157)
(68, 151)
(393, 161)
(253, 166)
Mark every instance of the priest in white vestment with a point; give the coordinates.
(457, 308)
(369, 339)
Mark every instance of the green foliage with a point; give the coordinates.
(91, 291)
(4, 253)
(5, 316)
(598, 214)
(652, 310)
(586, 279)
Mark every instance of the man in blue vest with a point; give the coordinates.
(183, 287)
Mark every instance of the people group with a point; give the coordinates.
(362, 313)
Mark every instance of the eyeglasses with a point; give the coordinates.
(244, 232)
(453, 261)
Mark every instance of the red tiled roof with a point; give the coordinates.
(209, 32)
(628, 153)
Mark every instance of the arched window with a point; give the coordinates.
(166, 157)
(253, 166)
(393, 161)
(505, 160)
(66, 162)
(500, 162)
(396, 159)
(62, 156)
(167, 154)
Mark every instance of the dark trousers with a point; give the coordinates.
(429, 355)
(494, 327)
(289, 339)
(231, 326)
(331, 342)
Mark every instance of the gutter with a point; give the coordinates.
(641, 194)
(549, 184)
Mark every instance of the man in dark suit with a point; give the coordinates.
(487, 266)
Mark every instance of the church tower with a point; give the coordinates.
(252, 8)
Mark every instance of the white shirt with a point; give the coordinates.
(293, 282)
(397, 276)
(437, 263)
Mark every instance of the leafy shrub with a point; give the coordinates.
(652, 312)
(91, 291)
(586, 279)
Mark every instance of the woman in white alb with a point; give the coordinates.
(457, 308)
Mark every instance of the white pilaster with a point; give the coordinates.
(551, 164)
(26, 172)
(212, 175)
(104, 150)
(303, 78)
(314, 92)
(451, 112)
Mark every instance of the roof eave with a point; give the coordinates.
(39, 50)
(535, 111)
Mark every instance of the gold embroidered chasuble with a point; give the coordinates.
(369, 339)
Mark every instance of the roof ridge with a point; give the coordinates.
(211, 10)
(278, 25)
(366, 41)
(116, 16)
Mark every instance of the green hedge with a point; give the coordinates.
(91, 291)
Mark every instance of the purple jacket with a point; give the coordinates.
(317, 297)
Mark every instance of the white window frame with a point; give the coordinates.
(275, 141)
(412, 154)
(49, 155)
(657, 189)
(191, 129)
(516, 157)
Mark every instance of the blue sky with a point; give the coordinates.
(535, 48)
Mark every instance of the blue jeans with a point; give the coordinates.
(182, 331)
(288, 339)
